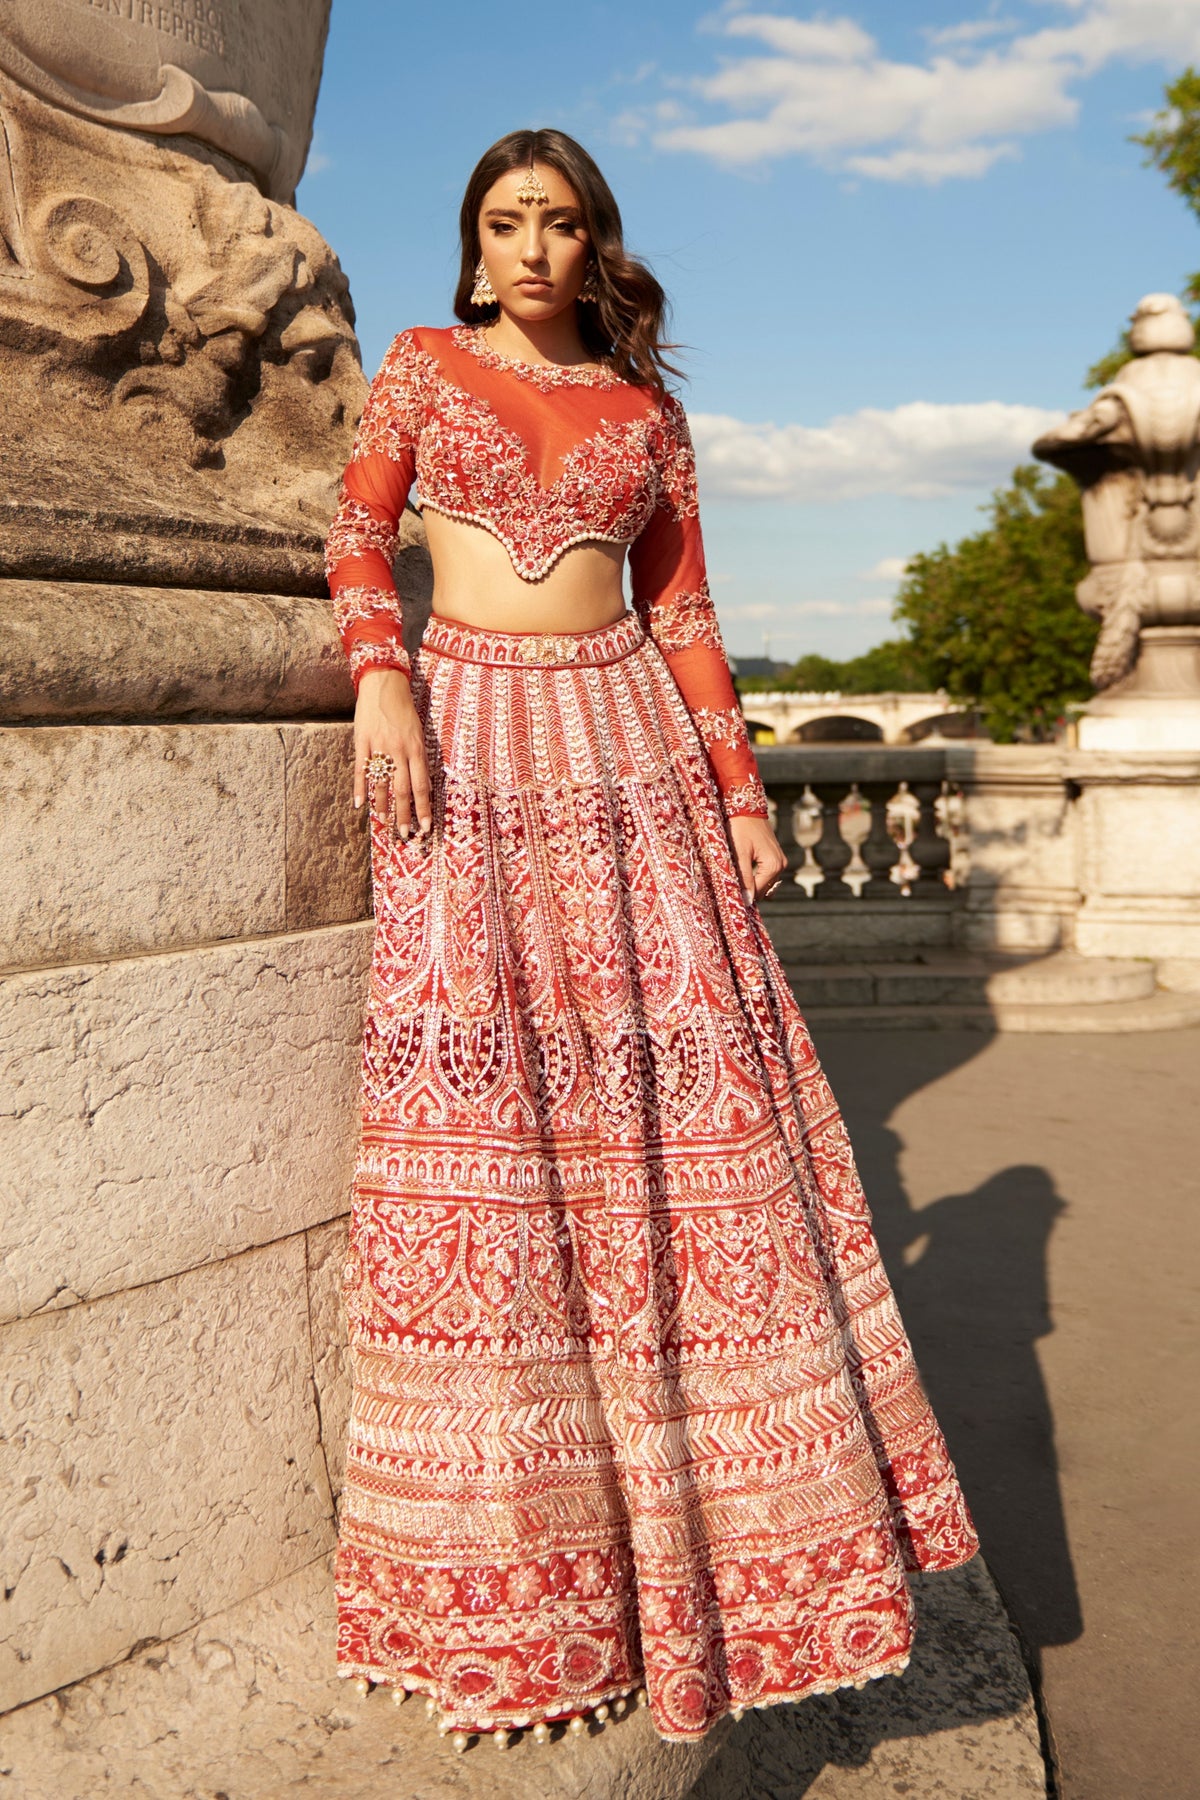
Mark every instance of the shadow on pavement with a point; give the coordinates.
(970, 1274)
(969, 1271)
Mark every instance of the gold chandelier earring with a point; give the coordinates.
(591, 287)
(483, 293)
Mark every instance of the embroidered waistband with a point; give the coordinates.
(535, 649)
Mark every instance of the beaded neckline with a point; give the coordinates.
(542, 375)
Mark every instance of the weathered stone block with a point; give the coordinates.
(328, 864)
(127, 838)
(1022, 842)
(163, 1462)
(139, 653)
(823, 931)
(326, 1254)
(1140, 816)
(174, 835)
(170, 1110)
(249, 1705)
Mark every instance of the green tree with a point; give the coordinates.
(1172, 143)
(994, 620)
(886, 669)
(893, 667)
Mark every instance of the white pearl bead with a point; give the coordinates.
(399, 1696)
(501, 1738)
(460, 1740)
(578, 1725)
(361, 1685)
(601, 1713)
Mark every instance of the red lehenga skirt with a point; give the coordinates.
(633, 1405)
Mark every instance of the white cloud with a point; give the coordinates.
(922, 450)
(889, 568)
(969, 32)
(822, 88)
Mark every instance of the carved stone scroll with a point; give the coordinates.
(177, 345)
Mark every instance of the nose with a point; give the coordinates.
(533, 249)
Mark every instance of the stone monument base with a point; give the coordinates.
(1157, 706)
(1139, 852)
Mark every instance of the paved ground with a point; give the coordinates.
(1038, 1204)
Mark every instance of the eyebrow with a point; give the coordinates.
(510, 212)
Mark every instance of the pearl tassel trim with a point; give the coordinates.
(542, 1729)
(576, 1724)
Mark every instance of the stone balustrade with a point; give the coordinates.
(896, 850)
(864, 822)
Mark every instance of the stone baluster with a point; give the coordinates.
(831, 851)
(854, 816)
(930, 849)
(880, 851)
(806, 831)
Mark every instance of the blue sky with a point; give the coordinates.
(894, 239)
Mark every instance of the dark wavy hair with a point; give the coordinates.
(625, 325)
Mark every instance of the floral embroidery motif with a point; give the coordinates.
(685, 621)
(747, 797)
(380, 653)
(359, 605)
(355, 529)
(544, 376)
(714, 727)
(600, 497)
(632, 1399)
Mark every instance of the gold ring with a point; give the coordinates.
(379, 768)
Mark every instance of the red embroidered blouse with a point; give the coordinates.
(542, 457)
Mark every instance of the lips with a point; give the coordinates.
(535, 287)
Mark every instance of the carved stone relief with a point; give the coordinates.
(1135, 452)
(177, 345)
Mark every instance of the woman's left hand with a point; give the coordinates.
(761, 862)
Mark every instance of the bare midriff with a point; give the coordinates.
(475, 583)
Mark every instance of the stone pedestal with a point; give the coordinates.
(1139, 852)
(1023, 888)
(1157, 706)
(184, 899)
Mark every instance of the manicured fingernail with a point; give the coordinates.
(749, 896)
(357, 804)
(404, 833)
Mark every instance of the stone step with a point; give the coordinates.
(1059, 992)
(1160, 1011)
(1180, 974)
(961, 979)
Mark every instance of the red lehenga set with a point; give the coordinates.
(633, 1405)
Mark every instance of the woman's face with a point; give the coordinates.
(535, 252)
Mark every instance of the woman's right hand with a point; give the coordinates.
(386, 723)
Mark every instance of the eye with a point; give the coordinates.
(501, 228)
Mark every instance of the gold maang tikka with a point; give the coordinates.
(531, 190)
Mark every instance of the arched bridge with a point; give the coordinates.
(783, 718)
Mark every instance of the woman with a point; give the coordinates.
(632, 1402)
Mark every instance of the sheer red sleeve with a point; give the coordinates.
(362, 538)
(670, 593)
